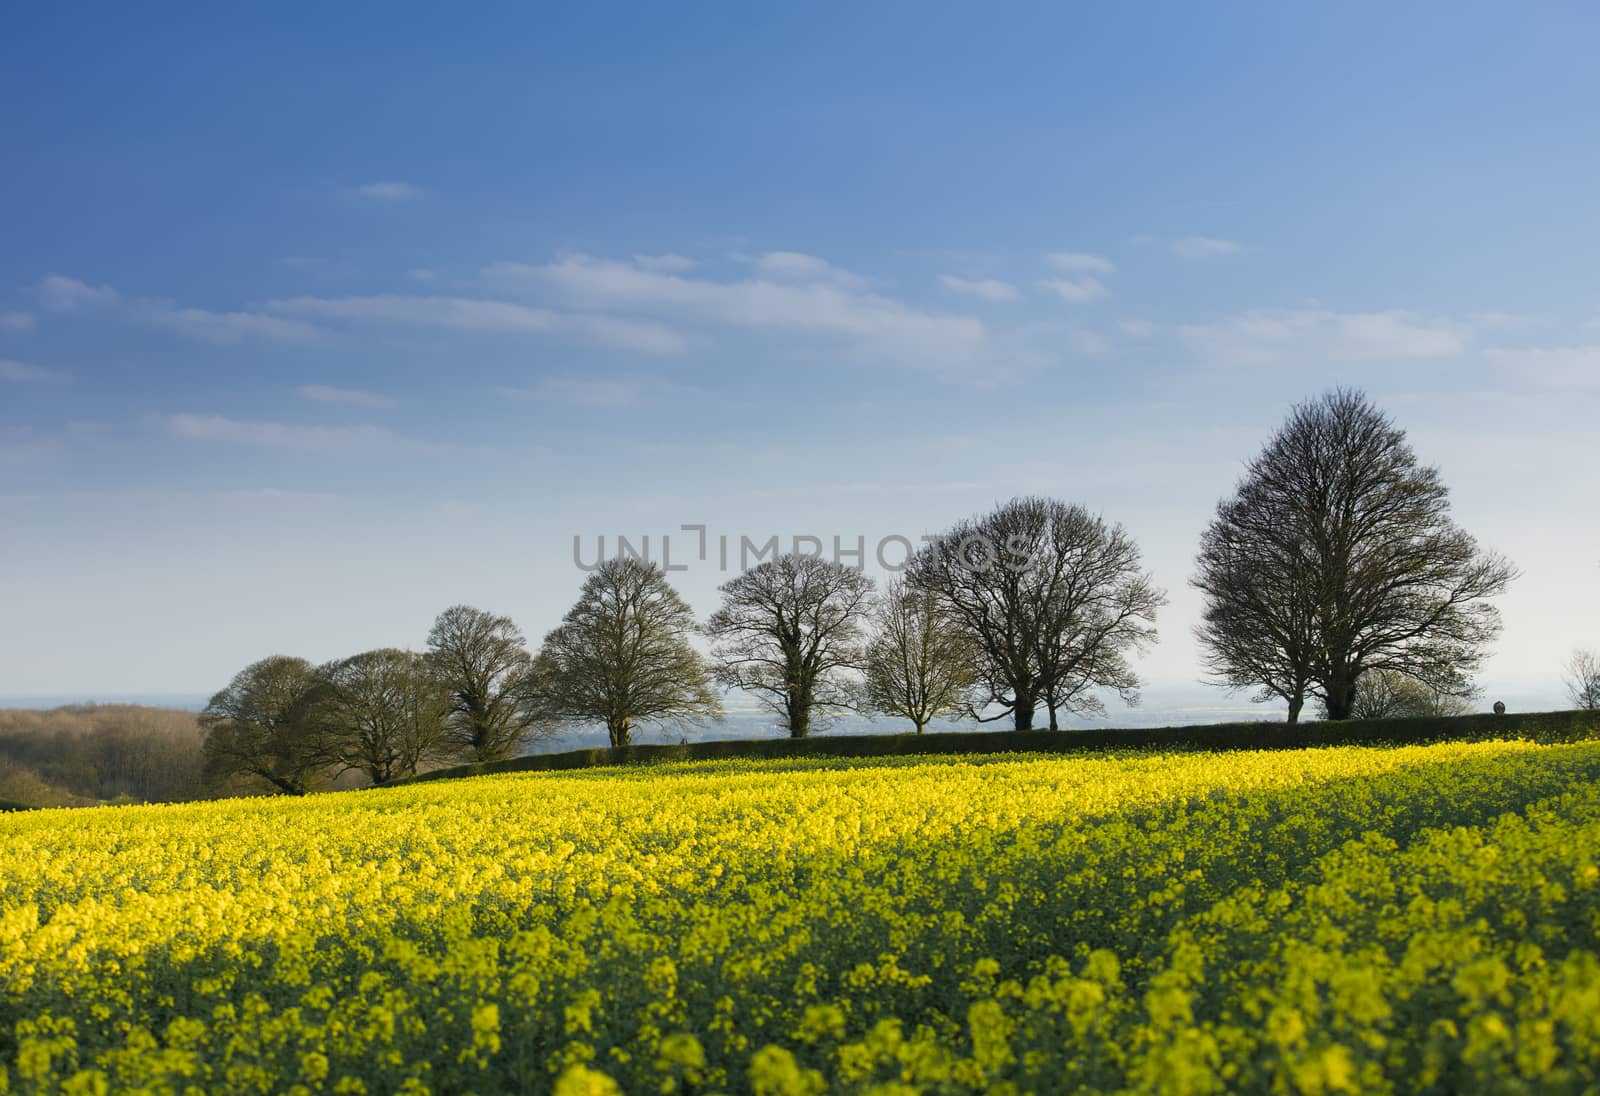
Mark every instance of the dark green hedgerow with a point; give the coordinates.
(1542, 727)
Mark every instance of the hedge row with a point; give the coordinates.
(1544, 727)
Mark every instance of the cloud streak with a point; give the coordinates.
(277, 435)
(1557, 366)
(664, 262)
(1080, 262)
(62, 294)
(70, 295)
(1204, 247)
(1270, 335)
(354, 397)
(873, 324)
(485, 317)
(986, 289)
(1075, 290)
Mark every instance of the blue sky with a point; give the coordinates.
(316, 319)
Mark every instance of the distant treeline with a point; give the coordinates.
(88, 753)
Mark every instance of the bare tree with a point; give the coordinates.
(1257, 629)
(386, 712)
(1054, 600)
(268, 724)
(1389, 694)
(920, 663)
(1337, 556)
(483, 661)
(622, 657)
(790, 631)
(1583, 679)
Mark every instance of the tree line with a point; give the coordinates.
(1333, 573)
(89, 753)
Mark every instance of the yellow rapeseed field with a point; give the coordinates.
(1320, 921)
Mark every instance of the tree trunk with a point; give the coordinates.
(1054, 726)
(621, 729)
(1296, 702)
(921, 723)
(1341, 694)
(799, 705)
(1022, 712)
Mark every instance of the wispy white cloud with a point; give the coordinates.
(276, 435)
(1320, 334)
(1138, 329)
(988, 289)
(21, 371)
(484, 316)
(456, 313)
(63, 294)
(1506, 322)
(1204, 247)
(1555, 366)
(392, 191)
(872, 322)
(1080, 261)
(218, 327)
(421, 274)
(1075, 290)
(799, 267)
(355, 397)
(16, 321)
(664, 262)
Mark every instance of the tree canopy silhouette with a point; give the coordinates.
(1337, 556)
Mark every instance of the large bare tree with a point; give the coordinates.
(269, 724)
(1053, 598)
(483, 660)
(920, 664)
(387, 711)
(1337, 556)
(622, 656)
(790, 631)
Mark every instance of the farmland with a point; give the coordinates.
(1324, 920)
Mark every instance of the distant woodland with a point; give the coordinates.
(84, 754)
